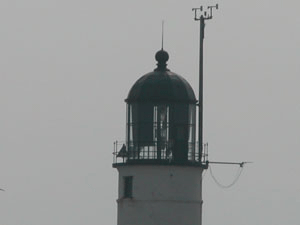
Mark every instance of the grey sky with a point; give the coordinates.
(67, 66)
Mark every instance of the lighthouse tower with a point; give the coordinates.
(159, 167)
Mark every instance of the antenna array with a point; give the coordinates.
(207, 14)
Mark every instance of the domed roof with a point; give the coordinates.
(161, 85)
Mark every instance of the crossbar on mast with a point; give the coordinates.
(241, 164)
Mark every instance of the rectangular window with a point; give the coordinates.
(128, 180)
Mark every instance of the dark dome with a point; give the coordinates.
(161, 85)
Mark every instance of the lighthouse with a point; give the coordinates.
(159, 165)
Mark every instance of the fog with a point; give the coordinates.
(67, 66)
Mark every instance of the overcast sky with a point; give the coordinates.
(67, 66)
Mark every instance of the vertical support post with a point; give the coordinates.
(200, 116)
(202, 18)
(158, 133)
(129, 127)
(200, 112)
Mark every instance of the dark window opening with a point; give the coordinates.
(128, 186)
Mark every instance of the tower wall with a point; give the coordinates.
(161, 195)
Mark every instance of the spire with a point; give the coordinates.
(162, 34)
(162, 56)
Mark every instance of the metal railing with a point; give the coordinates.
(159, 151)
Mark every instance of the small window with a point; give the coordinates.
(128, 186)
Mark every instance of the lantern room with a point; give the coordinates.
(161, 119)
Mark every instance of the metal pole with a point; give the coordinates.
(200, 116)
(202, 19)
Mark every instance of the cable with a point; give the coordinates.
(239, 172)
(203, 175)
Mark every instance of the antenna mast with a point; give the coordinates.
(162, 34)
(201, 15)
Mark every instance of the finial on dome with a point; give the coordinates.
(161, 57)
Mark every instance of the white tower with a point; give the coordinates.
(159, 168)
